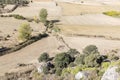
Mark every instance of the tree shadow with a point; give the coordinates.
(55, 21)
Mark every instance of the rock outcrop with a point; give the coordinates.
(111, 74)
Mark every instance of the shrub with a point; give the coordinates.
(72, 64)
(24, 2)
(25, 32)
(80, 60)
(91, 60)
(105, 65)
(36, 19)
(112, 13)
(46, 69)
(43, 15)
(73, 52)
(58, 71)
(90, 49)
(18, 17)
(62, 60)
(43, 57)
(118, 70)
(75, 70)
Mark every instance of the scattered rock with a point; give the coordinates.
(81, 75)
(111, 74)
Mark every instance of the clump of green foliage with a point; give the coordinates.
(43, 15)
(112, 13)
(16, 16)
(62, 60)
(90, 58)
(58, 71)
(46, 69)
(118, 69)
(43, 57)
(25, 32)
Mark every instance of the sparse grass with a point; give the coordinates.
(91, 30)
(112, 13)
(76, 9)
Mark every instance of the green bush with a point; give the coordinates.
(58, 71)
(72, 64)
(73, 52)
(46, 69)
(112, 13)
(118, 69)
(105, 65)
(80, 60)
(43, 15)
(91, 60)
(90, 49)
(16, 16)
(62, 60)
(25, 32)
(43, 57)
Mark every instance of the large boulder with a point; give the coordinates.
(111, 74)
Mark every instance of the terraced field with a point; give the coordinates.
(74, 19)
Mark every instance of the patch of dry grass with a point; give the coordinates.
(77, 9)
(111, 31)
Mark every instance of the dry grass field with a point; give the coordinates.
(89, 20)
(77, 9)
(107, 31)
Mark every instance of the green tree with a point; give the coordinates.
(80, 59)
(91, 60)
(91, 57)
(62, 60)
(73, 52)
(25, 32)
(90, 49)
(43, 15)
(43, 57)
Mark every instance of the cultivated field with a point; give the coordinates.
(89, 20)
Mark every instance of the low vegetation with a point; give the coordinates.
(43, 15)
(25, 32)
(23, 2)
(43, 57)
(112, 13)
(72, 62)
